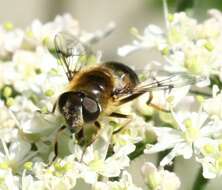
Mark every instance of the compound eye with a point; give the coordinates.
(90, 109)
(69, 102)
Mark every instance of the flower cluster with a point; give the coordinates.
(185, 121)
(193, 127)
(186, 45)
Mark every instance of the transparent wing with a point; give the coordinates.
(165, 83)
(71, 53)
(175, 80)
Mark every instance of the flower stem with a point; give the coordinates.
(200, 182)
(139, 150)
(165, 11)
(205, 94)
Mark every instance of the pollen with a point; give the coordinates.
(191, 133)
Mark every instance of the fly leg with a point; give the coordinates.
(54, 107)
(94, 137)
(126, 122)
(60, 130)
(157, 107)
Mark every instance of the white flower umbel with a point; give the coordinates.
(185, 45)
(62, 174)
(43, 34)
(153, 37)
(94, 161)
(159, 179)
(191, 129)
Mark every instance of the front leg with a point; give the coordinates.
(92, 140)
(125, 123)
(60, 130)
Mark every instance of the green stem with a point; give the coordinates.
(200, 93)
(200, 182)
(139, 150)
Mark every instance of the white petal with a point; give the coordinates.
(154, 29)
(127, 49)
(180, 149)
(19, 150)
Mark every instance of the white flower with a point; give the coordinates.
(152, 37)
(34, 69)
(60, 175)
(42, 124)
(130, 133)
(38, 33)
(186, 46)
(210, 157)
(28, 183)
(213, 106)
(16, 155)
(124, 183)
(8, 180)
(22, 109)
(8, 130)
(191, 129)
(93, 161)
(159, 179)
(10, 41)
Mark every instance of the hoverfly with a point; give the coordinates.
(95, 91)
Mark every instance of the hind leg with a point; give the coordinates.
(155, 106)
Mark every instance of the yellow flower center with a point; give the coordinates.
(193, 65)
(174, 36)
(209, 46)
(4, 165)
(49, 92)
(219, 163)
(165, 51)
(9, 101)
(220, 147)
(28, 165)
(153, 180)
(208, 149)
(62, 168)
(200, 99)
(170, 17)
(8, 26)
(191, 133)
(7, 91)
